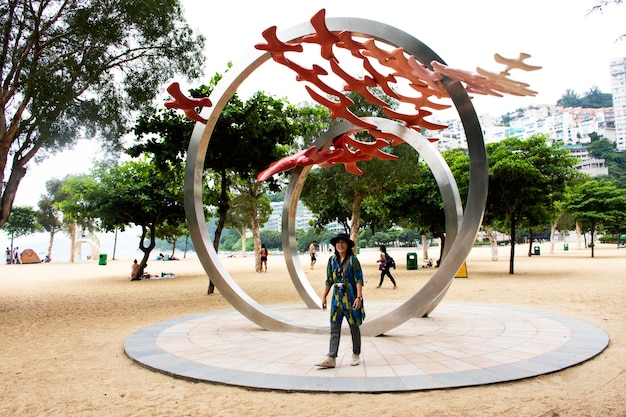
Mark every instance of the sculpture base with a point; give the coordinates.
(460, 344)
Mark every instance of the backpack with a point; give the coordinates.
(390, 261)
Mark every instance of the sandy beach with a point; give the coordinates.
(63, 328)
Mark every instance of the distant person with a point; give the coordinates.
(133, 269)
(17, 258)
(9, 257)
(160, 257)
(386, 262)
(313, 253)
(263, 255)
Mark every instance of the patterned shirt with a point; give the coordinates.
(344, 278)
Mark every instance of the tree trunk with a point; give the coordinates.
(552, 233)
(114, 244)
(50, 243)
(10, 187)
(512, 259)
(222, 208)
(356, 219)
(425, 247)
(256, 237)
(442, 247)
(145, 249)
(578, 235)
(593, 245)
(530, 242)
(72, 232)
(173, 249)
(243, 241)
(493, 242)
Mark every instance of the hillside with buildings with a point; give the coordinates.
(573, 128)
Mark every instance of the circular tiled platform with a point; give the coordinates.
(460, 344)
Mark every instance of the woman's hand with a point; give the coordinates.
(357, 303)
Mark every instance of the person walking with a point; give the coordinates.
(313, 253)
(386, 262)
(17, 258)
(345, 275)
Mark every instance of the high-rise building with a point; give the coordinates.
(618, 89)
(303, 216)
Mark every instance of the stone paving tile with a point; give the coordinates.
(459, 344)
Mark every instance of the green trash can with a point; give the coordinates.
(103, 259)
(537, 250)
(411, 260)
(358, 250)
(566, 247)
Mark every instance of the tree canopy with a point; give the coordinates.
(73, 68)
(615, 161)
(592, 99)
(595, 204)
(129, 193)
(526, 178)
(23, 221)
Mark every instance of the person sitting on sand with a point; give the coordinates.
(133, 269)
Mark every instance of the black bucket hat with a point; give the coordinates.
(342, 236)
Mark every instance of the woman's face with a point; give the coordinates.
(341, 246)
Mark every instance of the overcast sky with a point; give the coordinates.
(574, 48)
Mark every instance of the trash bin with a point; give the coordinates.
(411, 260)
(103, 259)
(358, 250)
(537, 250)
(565, 247)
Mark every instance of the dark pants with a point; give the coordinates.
(382, 277)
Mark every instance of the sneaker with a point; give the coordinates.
(355, 360)
(328, 362)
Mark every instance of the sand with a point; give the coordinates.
(63, 328)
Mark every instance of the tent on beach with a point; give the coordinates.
(29, 256)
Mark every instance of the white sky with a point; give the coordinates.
(574, 49)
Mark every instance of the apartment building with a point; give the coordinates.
(618, 89)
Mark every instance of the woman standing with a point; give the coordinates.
(344, 273)
(385, 264)
(263, 255)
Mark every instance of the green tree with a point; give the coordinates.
(615, 161)
(22, 222)
(596, 99)
(569, 99)
(336, 195)
(74, 206)
(595, 204)
(593, 99)
(171, 231)
(526, 178)
(134, 193)
(73, 68)
(273, 240)
(418, 203)
(250, 208)
(247, 138)
(49, 216)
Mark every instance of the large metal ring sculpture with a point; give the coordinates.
(460, 242)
